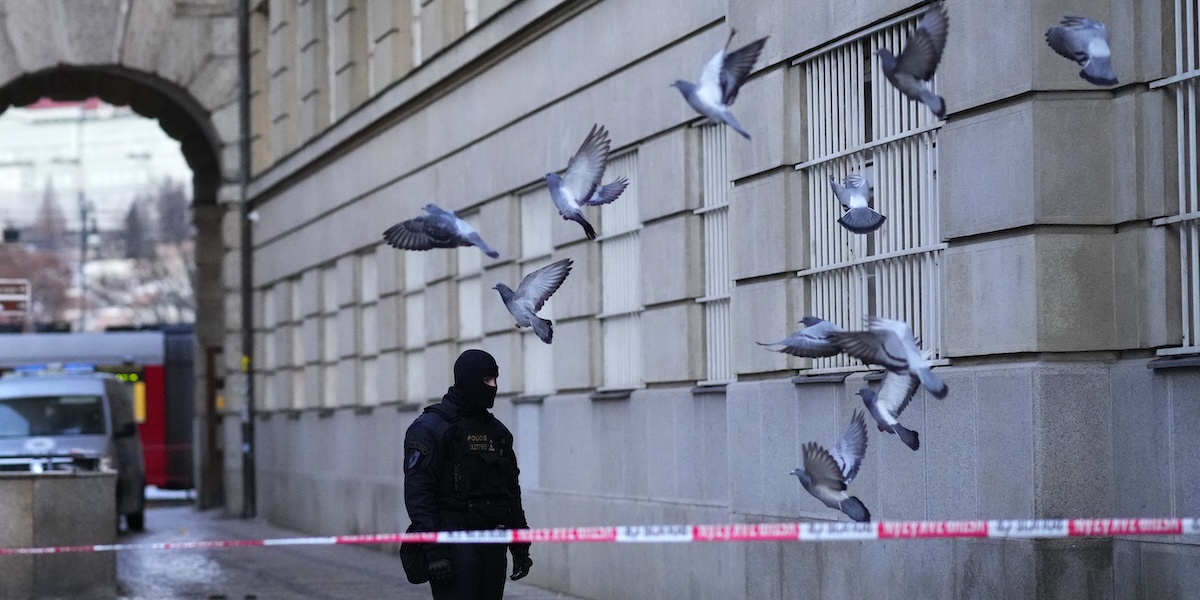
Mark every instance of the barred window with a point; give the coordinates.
(269, 368)
(296, 313)
(714, 215)
(414, 327)
(329, 336)
(537, 246)
(368, 328)
(620, 263)
(470, 288)
(859, 123)
(1183, 88)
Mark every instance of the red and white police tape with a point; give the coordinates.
(763, 532)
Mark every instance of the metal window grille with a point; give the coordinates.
(857, 122)
(414, 370)
(718, 283)
(1185, 85)
(537, 246)
(538, 375)
(368, 328)
(470, 289)
(296, 310)
(329, 335)
(266, 337)
(414, 321)
(620, 263)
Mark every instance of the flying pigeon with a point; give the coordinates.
(859, 216)
(919, 59)
(720, 81)
(890, 344)
(580, 184)
(1086, 42)
(826, 474)
(810, 341)
(438, 228)
(893, 397)
(532, 294)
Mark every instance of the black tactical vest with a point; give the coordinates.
(478, 483)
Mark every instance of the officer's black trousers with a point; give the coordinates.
(479, 573)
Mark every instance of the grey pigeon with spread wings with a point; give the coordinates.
(533, 292)
(580, 185)
(826, 474)
(917, 63)
(809, 342)
(893, 397)
(890, 344)
(854, 196)
(720, 81)
(438, 228)
(1086, 42)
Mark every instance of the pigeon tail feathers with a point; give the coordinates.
(932, 383)
(935, 103)
(855, 509)
(543, 328)
(732, 122)
(1098, 71)
(862, 220)
(910, 438)
(588, 229)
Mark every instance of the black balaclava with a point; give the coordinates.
(471, 368)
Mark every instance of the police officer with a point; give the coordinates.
(460, 473)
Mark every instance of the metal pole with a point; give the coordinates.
(249, 497)
(83, 221)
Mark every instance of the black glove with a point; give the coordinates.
(440, 571)
(521, 562)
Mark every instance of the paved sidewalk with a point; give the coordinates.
(263, 573)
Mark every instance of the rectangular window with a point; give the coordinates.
(368, 328)
(714, 215)
(470, 288)
(270, 358)
(620, 263)
(329, 336)
(858, 123)
(537, 246)
(414, 326)
(296, 312)
(1184, 88)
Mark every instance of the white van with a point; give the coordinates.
(52, 421)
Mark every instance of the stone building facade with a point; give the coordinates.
(1042, 241)
(1038, 241)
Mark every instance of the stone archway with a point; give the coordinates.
(176, 62)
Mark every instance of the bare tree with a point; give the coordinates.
(49, 229)
(49, 278)
(174, 213)
(135, 235)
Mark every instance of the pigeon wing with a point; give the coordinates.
(896, 392)
(923, 50)
(586, 167)
(607, 193)
(419, 233)
(851, 447)
(874, 348)
(843, 195)
(539, 285)
(1070, 38)
(736, 68)
(822, 468)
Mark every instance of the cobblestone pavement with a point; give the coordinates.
(263, 573)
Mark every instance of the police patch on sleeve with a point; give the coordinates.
(413, 454)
